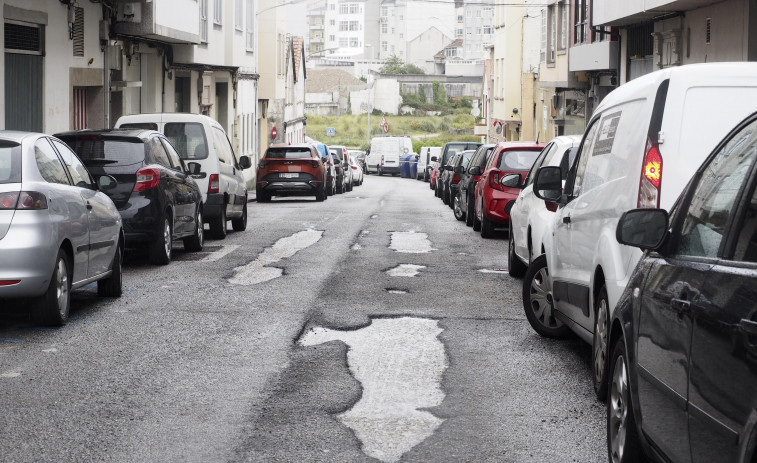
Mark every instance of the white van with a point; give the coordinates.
(642, 145)
(425, 163)
(201, 139)
(384, 157)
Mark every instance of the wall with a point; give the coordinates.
(386, 95)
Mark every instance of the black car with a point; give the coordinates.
(444, 177)
(157, 197)
(683, 337)
(449, 150)
(467, 183)
(343, 176)
(453, 180)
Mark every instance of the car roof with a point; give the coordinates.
(142, 134)
(19, 136)
(169, 117)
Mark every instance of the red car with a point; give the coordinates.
(434, 173)
(490, 196)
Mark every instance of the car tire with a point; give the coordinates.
(487, 227)
(262, 197)
(195, 242)
(240, 224)
(469, 213)
(599, 350)
(451, 203)
(161, 248)
(218, 225)
(457, 209)
(623, 445)
(445, 196)
(431, 185)
(476, 223)
(515, 267)
(537, 301)
(113, 285)
(380, 172)
(52, 308)
(320, 194)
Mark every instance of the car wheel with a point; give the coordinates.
(160, 252)
(51, 309)
(599, 346)
(487, 227)
(451, 203)
(431, 185)
(218, 225)
(476, 223)
(458, 210)
(195, 242)
(380, 172)
(262, 197)
(623, 444)
(445, 195)
(113, 285)
(515, 267)
(240, 224)
(320, 195)
(537, 301)
(469, 213)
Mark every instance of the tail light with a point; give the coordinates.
(494, 182)
(9, 282)
(456, 178)
(24, 200)
(354, 167)
(147, 178)
(651, 178)
(382, 160)
(213, 183)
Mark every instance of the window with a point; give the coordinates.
(188, 138)
(487, 30)
(204, 21)
(250, 26)
(543, 50)
(552, 33)
(354, 42)
(343, 42)
(343, 25)
(562, 26)
(549, 150)
(384, 11)
(354, 26)
(238, 14)
(714, 195)
(401, 35)
(10, 162)
(332, 38)
(48, 163)
(384, 46)
(746, 245)
(158, 153)
(78, 31)
(332, 7)
(460, 18)
(517, 160)
(344, 8)
(332, 22)
(384, 28)
(223, 148)
(459, 33)
(401, 17)
(79, 173)
(172, 155)
(218, 12)
(581, 15)
(585, 153)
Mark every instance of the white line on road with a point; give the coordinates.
(217, 255)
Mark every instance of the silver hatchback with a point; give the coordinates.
(58, 232)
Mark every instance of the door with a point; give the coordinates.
(172, 190)
(229, 176)
(527, 202)
(187, 201)
(24, 60)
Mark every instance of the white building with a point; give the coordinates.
(402, 21)
(478, 28)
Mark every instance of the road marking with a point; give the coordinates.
(396, 291)
(405, 270)
(216, 255)
(11, 374)
(410, 242)
(400, 363)
(51, 350)
(486, 270)
(258, 271)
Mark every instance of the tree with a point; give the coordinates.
(394, 65)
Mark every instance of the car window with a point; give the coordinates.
(466, 159)
(79, 173)
(48, 163)
(337, 153)
(539, 162)
(188, 138)
(94, 149)
(517, 160)
(10, 162)
(583, 158)
(714, 195)
(222, 148)
(173, 156)
(568, 156)
(491, 159)
(746, 245)
(159, 152)
(288, 153)
(139, 125)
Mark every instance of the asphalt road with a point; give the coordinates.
(291, 342)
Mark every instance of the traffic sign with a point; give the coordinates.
(330, 131)
(273, 132)
(384, 124)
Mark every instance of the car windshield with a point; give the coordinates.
(188, 138)
(10, 162)
(337, 154)
(466, 158)
(92, 149)
(288, 153)
(517, 160)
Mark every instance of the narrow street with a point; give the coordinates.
(369, 327)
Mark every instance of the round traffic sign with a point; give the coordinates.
(273, 132)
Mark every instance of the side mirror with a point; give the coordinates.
(107, 182)
(475, 170)
(548, 184)
(244, 162)
(512, 180)
(433, 159)
(643, 228)
(458, 169)
(448, 167)
(193, 169)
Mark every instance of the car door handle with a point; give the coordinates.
(681, 306)
(566, 219)
(748, 327)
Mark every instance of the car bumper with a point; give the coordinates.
(495, 207)
(212, 207)
(295, 186)
(142, 221)
(28, 253)
(390, 169)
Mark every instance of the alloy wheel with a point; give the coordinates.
(600, 341)
(618, 410)
(61, 286)
(541, 299)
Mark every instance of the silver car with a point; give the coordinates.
(58, 232)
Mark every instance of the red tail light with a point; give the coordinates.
(354, 167)
(494, 182)
(382, 160)
(651, 178)
(147, 178)
(456, 178)
(24, 200)
(213, 183)
(9, 282)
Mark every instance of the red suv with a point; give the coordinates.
(490, 196)
(291, 170)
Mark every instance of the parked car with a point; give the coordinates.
(385, 152)
(445, 176)
(434, 174)
(425, 161)
(58, 229)
(159, 201)
(328, 163)
(468, 182)
(201, 139)
(449, 150)
(490, 196)
(460, 165)
(640, 149)
(359, 157)
(343, 173)
(530, 217)
(683, 336)
(357, 172)
(291, 170)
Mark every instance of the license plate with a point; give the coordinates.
(289, 175)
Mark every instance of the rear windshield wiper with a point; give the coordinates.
(98, 162)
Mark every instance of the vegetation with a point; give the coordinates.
(394, 65)
(352, 130)
(439, 102)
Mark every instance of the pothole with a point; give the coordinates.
(258, 271)
(410, 242)
(400, 363)
(405, 270)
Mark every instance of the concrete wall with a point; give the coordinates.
(386, 95)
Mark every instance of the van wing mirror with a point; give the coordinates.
(512, 180)
(106, 182)
(548, 184)
(244, 162)
(433, 159)
(643, 228)
(458, 169)
(193, 169)
(475, 170)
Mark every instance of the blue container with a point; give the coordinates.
(406, 160)
(413, 166)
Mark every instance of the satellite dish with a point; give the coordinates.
(499, 128)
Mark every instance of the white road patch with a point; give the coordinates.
(410, 242)
(486, 270)
(11, 374)
(258, 271)
(356, 247)
(399, 362)
(217, 255)
(405, 270)
(50, 350)
(396, 291)
(374, 216)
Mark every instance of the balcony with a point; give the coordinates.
(621, 13)
(597, 56)
(157, 20)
